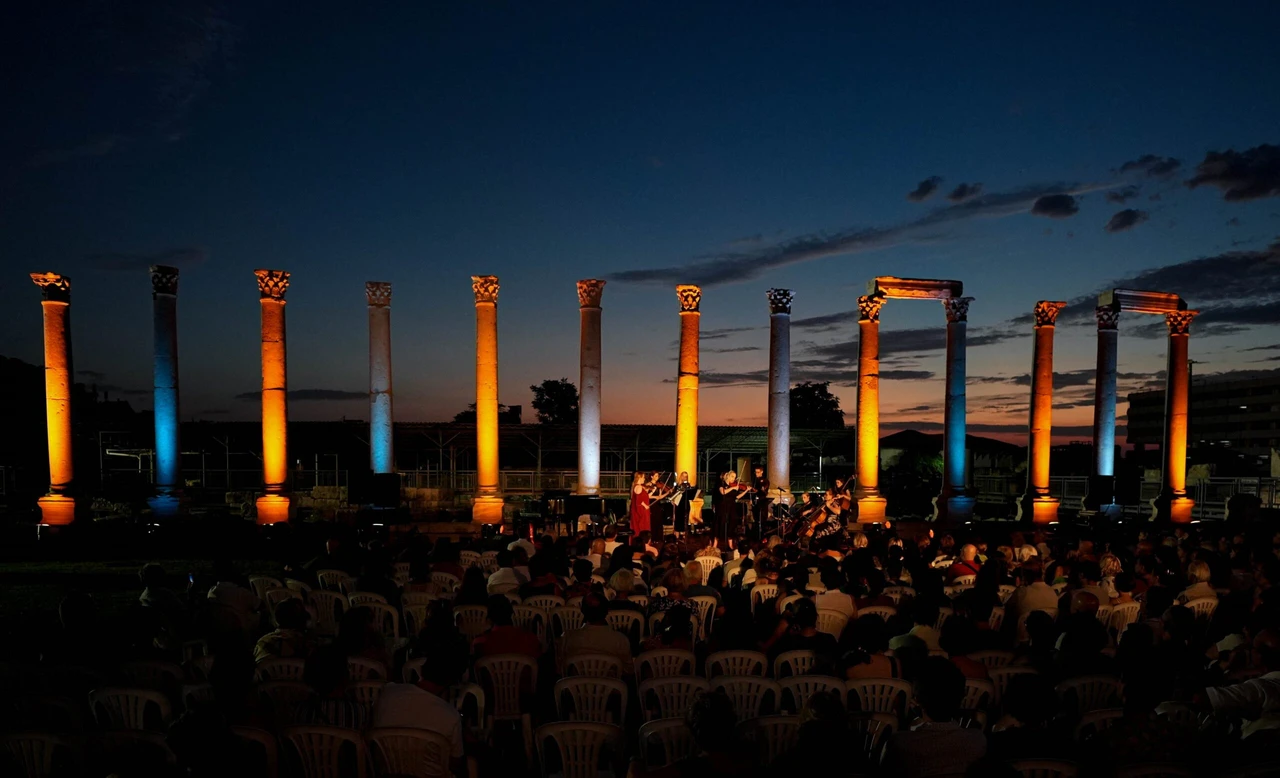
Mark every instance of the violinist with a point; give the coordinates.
(760, 499)
(727, 496)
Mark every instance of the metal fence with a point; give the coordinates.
(1211, 495)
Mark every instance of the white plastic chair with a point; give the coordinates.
(736, 664)
(704, 608)
(762, 592)
(978, 694)
(1000, 677)
(278, 669)
(782, 602)
(412, 670)
(261, 584)
(504, 677)
(364, 598)
(944, 613)
(301, 587)
(671, 737)
(708, 565)
(752, 697)
(472, 620)
(879, 695)
(628, 623)
(1044, 768)
(773, 735)
(993, 658)
(365, 693)
(124, 708)
(593, 666)
(265, 740)
(323, 752)
(1096, 721)
(883, 611)
(582, 698)
(665, 698)
(1091, 692)
(1005, 591)
(329, 609)
(565, 619)
(415, 617)
(832, 622)
(1123, 615)
(193, 694)
(532, 620)
(874, 728)
(899, 593)
(402, 573)
(964, 580)
(797, 690)
(640, 599)
(419, 598)
(38, 754)
(790, 663)
(468, 699)
(658, 591)
(1104, 615)
(408, 751)
(546, 602)
(361, 668)
(1203, 607)
(284, 696)
(996, 619)
(334, 580)
(580, 745)
(469, 559)
(665, 663)
(446, 581)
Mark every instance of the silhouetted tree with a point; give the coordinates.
(814, 407)
(507, 414)
(556, 401)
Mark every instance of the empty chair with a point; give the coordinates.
(327, 752)
(1000, 677)
(773, 736)
(262, 583)
(832, 622)
(883, 611)
(1091, 692)
(665, 698)
(329, 609)
(879, 695)
(593, 665)
(752, 697)
(124, 708)
(737, 663)
(152, 674)
(978, 694)
(266, 742)
(583, 698)
(1044, 768)
(993, 658)
(277, 669)
(628, 623)
(664, 663)
(1096, 721)
(472, 620)
(797, 689)
(406, 751)
(334, 580)
(704, 608)
(1203, 607)
(579, 746)
(505, 678)
(361, 668)
(762, 592)
(791, 663)
(665, 741)
(364, 598)
(545, 602)
(36, 755)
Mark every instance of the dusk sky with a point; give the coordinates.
(1030, 153)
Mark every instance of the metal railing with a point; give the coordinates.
(1211, 495)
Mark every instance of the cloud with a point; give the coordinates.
(127, 391)
(1272, 347)
(92, 375)
(1126, 220)
(733, 350)
(1234, 221)
(925, 189)
(307, 395)
(1056, 206)
(964, 192)
(180, 258)
(974, 428)
(899, 343)
(827, 321)
(730, 267)
(813, 370)
(1251, 174)
(1122, 194)
(1152, 165)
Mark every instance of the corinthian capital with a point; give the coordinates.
(1047, 312)
(1108, 318)
(377, 293)
(869, 306)
(164, 280)
(780, 300)
(590, 290)
(485, 289)
(690, 297)
(1179, 322)
(957, 308)
(272, 284)
(55, 287)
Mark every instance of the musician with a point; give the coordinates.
(727, 496)
(760, 499)
(640, 495)
(683, 494)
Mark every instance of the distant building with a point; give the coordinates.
(1242, 415)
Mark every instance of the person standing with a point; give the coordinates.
(639, 505)
(727, 508)
(682, 497)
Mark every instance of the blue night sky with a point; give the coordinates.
(739, 145)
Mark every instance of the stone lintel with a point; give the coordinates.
(914, 288)
(1141, 301)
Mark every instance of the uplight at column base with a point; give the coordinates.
(487, 510)
(1176, 510)
(1041, 510)
(165, 505)
(871, 510)
(57, 510)
(272, 508)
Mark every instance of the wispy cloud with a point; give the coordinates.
(1126, 220)
(925, 189)
(1251, 174)
(185, 257)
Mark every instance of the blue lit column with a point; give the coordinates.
(954, 503)
(1102, 485)
(168, 473)
(381, 450)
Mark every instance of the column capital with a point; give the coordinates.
(485, 289)
(1108, 318)
(590, 292)
(869, 307)
(377, 294)
(272, 284)
(1179, 322)
(54, 286)
(164, 280)
(690, 297)
(780, 300)
(1047, 312)
(957, 308)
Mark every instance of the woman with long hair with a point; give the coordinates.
(639, 505)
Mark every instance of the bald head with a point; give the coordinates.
(968, 552)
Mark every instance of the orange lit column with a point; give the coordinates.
(955, 503)
(273, 506)
(779, 455)
(381, 421)
(871, 505)
(487, 507)
(1036, 504)
(1173, 504)
(590, 292)
(57, 507)
(687, 382)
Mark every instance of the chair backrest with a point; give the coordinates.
(387, 618)
(267, 742)
(797, 689)
(152, 674)
(301, 587)
(412, 670)
(761, 592)
(1091, 692)
(193, 694)
(364, 598)
(408, 751)
(665, 741)
(752, 697)
(1104, 615)
(1180, 712)
(737, 663)
(415, 618)
(127, 708)
(327, 752)
(832, 622)
(1124, 614)
(664, 663)
(978, 694)
(446, 581)
(1203, 607)
(261, 584)
(547, 602)
(996, 619)
(361, 668)
(365, 693)
(582, 698)
(199, 667)
(503, 677)
(874, 729)
(639, 599)
(773, 736)
(658, 591)
(531, 619)
(1005, 591)
(278, 669)
(284, 696)
(468, 699)
(579, 744)
(334, 580)
(1000, 677)
(469, 559)
(704, 608)
(883, 611)
(565, 619)
(508, 589)
(790, 663)
(329, 609)
(708, 564)
(993, 658)
(38, 754)
(879, 695)
(629, 623)
(472, 620)
(424, 599)
(898, 593)
(664, 698)
(273, 598)
(1096, 721)
(593, 665)
(964, 580)
(782, 602)
(944, 613)
(403, 573)
(1044, 768)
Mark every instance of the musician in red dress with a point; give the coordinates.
(639, 505)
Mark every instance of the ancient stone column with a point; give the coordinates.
(954, 503)
(381, 448)
(487, 505)
(164, 308)
(687, 382)
(273, 506)
(57, 507)
(1036, 504)
(871, 505)
(779, 454)
(1173, 504)
(589, 293)
(1102, 485)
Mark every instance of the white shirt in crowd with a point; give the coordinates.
(526, 544)
(405, 705)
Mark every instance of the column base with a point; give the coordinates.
(273, 509)
(165, 505)
(1038, 509)
(57, 509)
(1175, 510)
(487, 509)
(953, 509)
(871, 509)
